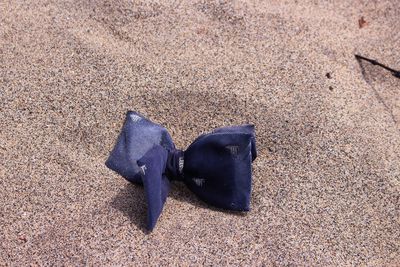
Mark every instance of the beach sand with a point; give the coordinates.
(326, 180)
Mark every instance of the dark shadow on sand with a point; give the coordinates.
(131, 202)
(376, 73)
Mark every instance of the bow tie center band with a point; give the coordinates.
(216, 167)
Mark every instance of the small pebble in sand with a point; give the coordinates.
(362, 22)
(328, 75)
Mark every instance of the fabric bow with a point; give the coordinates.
(216, 166)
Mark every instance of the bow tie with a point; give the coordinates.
(216, 166)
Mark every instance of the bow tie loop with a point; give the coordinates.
(216, 166)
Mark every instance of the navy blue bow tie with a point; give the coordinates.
(216, 166)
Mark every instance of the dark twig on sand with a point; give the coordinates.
(395, 73)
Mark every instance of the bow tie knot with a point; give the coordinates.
(175, 163)
(216, 166)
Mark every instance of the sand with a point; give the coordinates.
(327, 179)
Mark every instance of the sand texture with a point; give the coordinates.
(327, 179)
